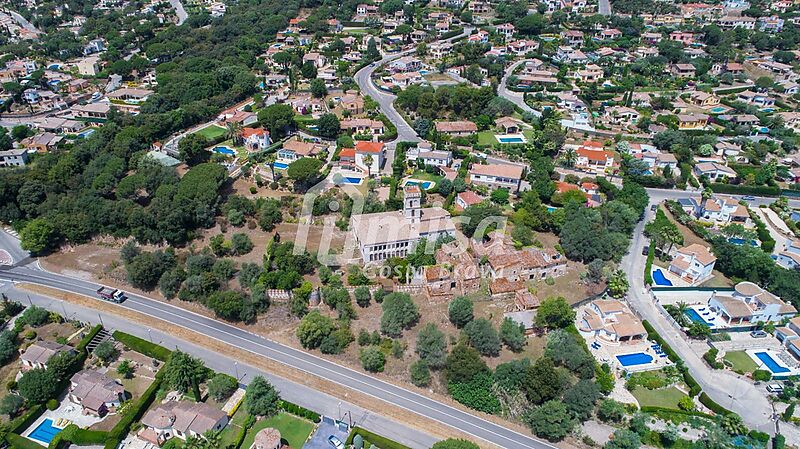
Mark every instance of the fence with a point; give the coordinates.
(408, 288)
(279, 295)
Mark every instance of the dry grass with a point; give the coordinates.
(375, 405)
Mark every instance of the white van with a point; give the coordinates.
(775, 388)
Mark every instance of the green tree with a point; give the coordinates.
(308, 70)
(222, 386)
(555, 313)
(399, 313)
(580, 399)
(513, 334)
(420, 373)
(453, 443)
(261, 398)
(542, 381)
(318, 89)
(362, 295)
(481, 218)
(38, 236)
(611, 411)
(304, 171)
(106, 351)
(618, 284)
(241, 244)
(329, 126)
(463, 363)
(11, 404)
(483, 337)
(184, 372)
(313, 329)
(432, 346)
(278, 119)
(126, 369)
(192, 149)
(372, 359)
(500, 196)
(372, 50)
(460, 311)
(624, 439)
(551, 421)
(37, 386)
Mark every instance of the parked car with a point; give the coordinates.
(654, 207)
(335, 442)
(758, 334)
(645, 250)
(748, 198)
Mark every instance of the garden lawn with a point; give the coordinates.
(486, 138)
(662, 397)
(425, 176)
(293, 429)
(211, 132)
(740, 361)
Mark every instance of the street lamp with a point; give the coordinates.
(236, 367)
(339, 416)
(149, 334)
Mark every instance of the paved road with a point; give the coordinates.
(299, 394)
(723, 387)
(179, 11)
(235, 337)
(518, 98)
(23, 22)
(405, 133)
(11, 244)
(604, 7)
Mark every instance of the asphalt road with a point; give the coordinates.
(235, 337)
(724, 388)
(604, 7)
(179, 11)
(293, 392)
(23, 22)
(518, 98)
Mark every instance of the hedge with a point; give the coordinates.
(372, 438)
(666, 411)
(297, 410)
(767, 242)
(134, 413)
(779, 442)
(713, 406)
(88, 338)
(143, 346)
(22, 422)
(694, 387)
(77, 436)
(719, 187)
(648, 266)
(19, 442)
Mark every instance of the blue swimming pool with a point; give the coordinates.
(424, 184)
(86, 133)
(718, 110)
(771, 363)
(44, 432)
(697, 318)
(511, 139)
(551, 209)
(280, 165)
(352, 180)
(637, 358)
(738, 241)
(660, 279)
(224, 150)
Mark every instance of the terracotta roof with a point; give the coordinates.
(469, 197)
(247, 132)
(368, 147)
(503, 285)
(460, 126)
(501, 170)
(595, 155)
(701, 253)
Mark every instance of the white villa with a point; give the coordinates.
(693, 263)
(383, 235)
(612, 321)
(749, 304)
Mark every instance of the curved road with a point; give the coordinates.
(724, 388)
(233, 336)
(518, 98)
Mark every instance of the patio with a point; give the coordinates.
(66, 413)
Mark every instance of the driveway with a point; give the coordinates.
(319, 439)
(726, 389)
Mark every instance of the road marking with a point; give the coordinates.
(143, 301)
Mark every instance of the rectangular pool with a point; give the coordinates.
(280, 165)
(697, 318)
(224, 150)
(771, 363)
(44, 432)
(637, 358)
(511, 140)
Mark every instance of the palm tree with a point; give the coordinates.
(270, 160)
(368, 162)
(671, 235)
(570, 157)
(680, 313)
(233, 131)
(618, 284)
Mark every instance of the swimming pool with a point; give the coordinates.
(44, 432)
(637, 358)
(660, 279)
(738, 241)
(353, 180)
(86, 133)
(551, 209)
(511, 140)
(424, 184)
(280, 165)
(694, 316)
(771, 363)
(224, 150)
(718, 110)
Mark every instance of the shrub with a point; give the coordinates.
(143, 346)
(372, 359)
(52, 404)
(761, 375)
(713, 406)
(221, 386)
(420, 374)
(711, 358)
